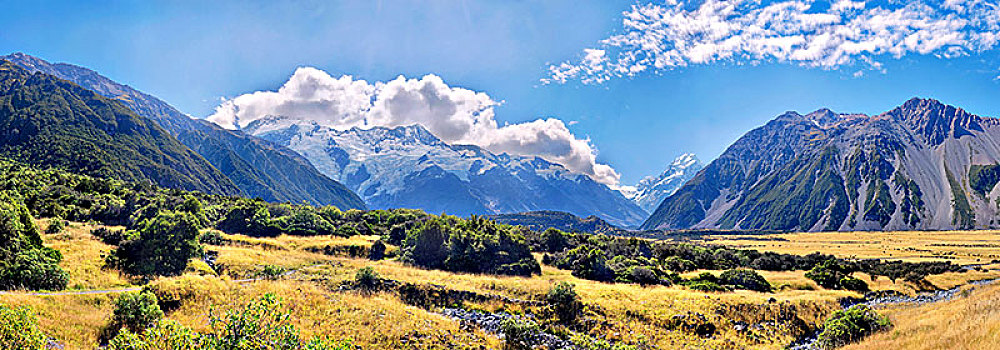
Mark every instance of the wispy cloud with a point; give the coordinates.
(454, 114)
(824, 34)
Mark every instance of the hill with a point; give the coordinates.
(545, 219)
(51, 122)
(921, 166)
(258, 167)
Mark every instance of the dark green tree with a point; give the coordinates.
(24, 261)
(162, 246)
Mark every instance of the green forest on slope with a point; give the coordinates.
(54, 123)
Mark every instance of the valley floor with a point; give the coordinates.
(314, 270)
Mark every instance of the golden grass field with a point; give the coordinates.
(960, 247)
(626, 313)
(970, 322)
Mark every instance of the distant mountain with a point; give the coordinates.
(923, 165)
(259, 168)
(411, 168)
(652, 190)
(566, 222)
(50, 122)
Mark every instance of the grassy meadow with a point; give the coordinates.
(313, 268)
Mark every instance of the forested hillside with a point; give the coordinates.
(258, 167)
(51, 122)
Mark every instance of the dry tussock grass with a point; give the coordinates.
(83, 256)
(960, 247)
(971, 322)
(75, 320)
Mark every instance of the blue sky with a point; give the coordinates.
(192, 53)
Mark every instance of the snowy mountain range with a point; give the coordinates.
(650, 191)
(410, 167)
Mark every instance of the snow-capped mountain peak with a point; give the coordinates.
(407, 166)
(650, 191)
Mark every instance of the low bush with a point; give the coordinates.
(705, 286)
(367, 279)
(24, 261)
(831, 274)
(853, 284)
(377, 251)
(745, 279)
(850, 325)
(473, 245)
(211, 237)
(56, 225)
(271, 272)
(518, 334)
(262, 324)
(19, 329)
(109, 236)
(134, 312)
(565, 303)
(162, 245)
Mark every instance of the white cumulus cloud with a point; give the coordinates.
(816, 33)
(456, 115)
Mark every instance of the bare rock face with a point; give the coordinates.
(923, 165)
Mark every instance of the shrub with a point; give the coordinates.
(705, 286)
(24, 261)
(850, 325)
(162, 246)
(262, 324)
(108, 236)
(345, 231)
(518, 334)
(643, 275)
(135, 312)
(832, 275)
(212, 237)
(425, 246)
(56, 225)
(707, 277)
(554, 240)
(853, 284)
(745, 279)
(474, 245)
(564, 301)
(251, 218)
(165, 334)
(367, 279)
(271, 272)
(19, 329)
(377, 251)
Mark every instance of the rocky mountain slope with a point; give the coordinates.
(924, 165)
(259, 168)
(411, 168)
(49, 122)
(650, 191)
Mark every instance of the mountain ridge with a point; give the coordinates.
(407, 166)
(258, 167)
(652, 190)
(912, 167)
(51, 122)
